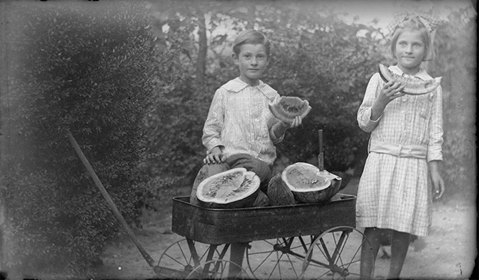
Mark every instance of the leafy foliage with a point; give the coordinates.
(329, 65)
(304, 63)
(456, 61)
(137, 107)
(89, 70)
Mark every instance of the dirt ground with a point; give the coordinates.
(449, 251)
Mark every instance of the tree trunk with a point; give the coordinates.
(251, 16)
(202, 50)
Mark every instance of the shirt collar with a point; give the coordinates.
(236, 85)
(422, 74)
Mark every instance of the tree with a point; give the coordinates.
(89, 70)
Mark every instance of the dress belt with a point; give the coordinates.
(411, 151)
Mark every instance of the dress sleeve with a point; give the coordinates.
(434, 148)
(214, 122)
(364, 113)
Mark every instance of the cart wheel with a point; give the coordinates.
(335, 254)
(280, 258)
(181, 258)
(217, 269)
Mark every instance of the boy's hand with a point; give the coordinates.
(215, 156)
(296, 122)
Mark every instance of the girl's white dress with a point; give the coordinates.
(393, 190)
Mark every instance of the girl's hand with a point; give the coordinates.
(215, 156)
(436, 179)
(438, 185)
(391, 90)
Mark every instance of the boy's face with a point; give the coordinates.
(252, 61)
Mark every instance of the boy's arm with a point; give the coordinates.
(279, 128)
(214, 122)
(277, 131)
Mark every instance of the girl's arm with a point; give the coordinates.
(375, 101)
(365, 121)
(434, 148)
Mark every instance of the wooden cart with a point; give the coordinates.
(304, 241)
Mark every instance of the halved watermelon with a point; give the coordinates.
(234, 188)
(413, 86)
(286, 108)
(308, 184)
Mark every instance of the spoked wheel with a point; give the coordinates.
(335, 254)
(280, 258)
(182, 257)
(217, 269)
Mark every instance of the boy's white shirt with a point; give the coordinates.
(239, 120)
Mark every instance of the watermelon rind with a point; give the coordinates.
(280, 114)
(245, 198)
(412, 86)
(278, 192)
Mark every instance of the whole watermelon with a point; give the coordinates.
(262, 200)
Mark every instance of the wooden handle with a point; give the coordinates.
(110, 202)
(321, 152)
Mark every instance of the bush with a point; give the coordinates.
(88, 69)
(303, 64)
(455, 45)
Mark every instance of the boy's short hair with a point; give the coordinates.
(251, 37)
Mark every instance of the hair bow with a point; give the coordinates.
(431, 23)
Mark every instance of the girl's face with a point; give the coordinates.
(252, 61)
(410, 51)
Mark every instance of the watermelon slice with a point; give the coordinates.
(413, 86)
(286, 108)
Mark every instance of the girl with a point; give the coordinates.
(405, 144)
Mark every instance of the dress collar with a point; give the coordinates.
(422, 74)
(236, 85)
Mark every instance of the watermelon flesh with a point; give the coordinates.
(234, 188)
(286, 108)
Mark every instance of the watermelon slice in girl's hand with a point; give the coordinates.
(286, 108)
